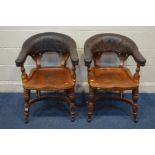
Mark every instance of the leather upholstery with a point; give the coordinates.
(109, 42)
(48, 42)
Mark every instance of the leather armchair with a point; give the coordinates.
(112, 78)
(51, 78)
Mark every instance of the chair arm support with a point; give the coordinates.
(24, 75)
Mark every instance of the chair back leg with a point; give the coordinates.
(91, 103)
(27, 104)
(135, 96)
(71, 95)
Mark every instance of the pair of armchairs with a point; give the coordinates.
(62, 78)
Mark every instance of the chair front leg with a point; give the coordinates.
(72, 103)
(135, 96)
(91, 103)
(26, 106)
(38, 93)
(121, 94)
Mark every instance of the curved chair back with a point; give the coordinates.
(38, 44)
(109, 42)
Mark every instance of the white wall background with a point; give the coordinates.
(12, 38)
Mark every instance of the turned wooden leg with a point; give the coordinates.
(72, 104)
(38, 94)
(135, 96)
(26, 107)
(90, 104)
(121, 94)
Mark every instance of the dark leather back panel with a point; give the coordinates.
(48, 42)
(109, 42)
